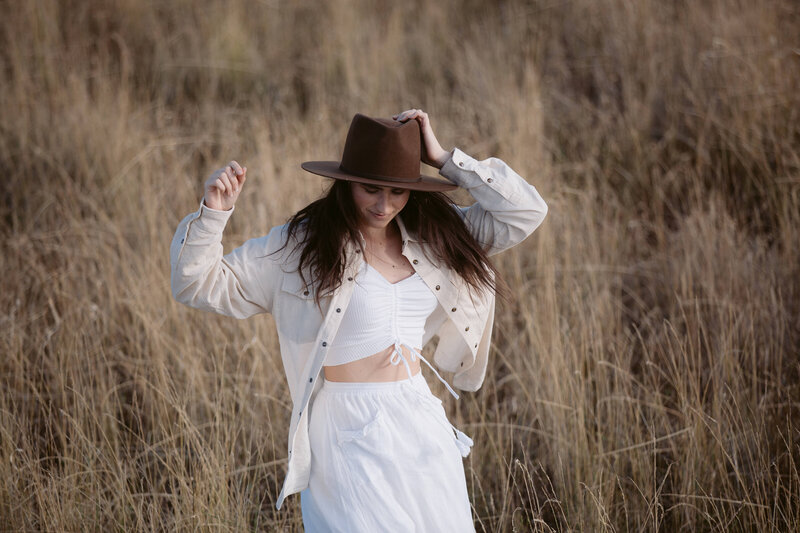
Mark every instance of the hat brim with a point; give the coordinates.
(330, 169)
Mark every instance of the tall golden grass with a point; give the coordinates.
(645, 378)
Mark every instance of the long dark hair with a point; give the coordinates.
(329, 222)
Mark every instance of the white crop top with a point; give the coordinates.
(382, 314)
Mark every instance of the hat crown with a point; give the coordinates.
(382, 149)
(382, 152)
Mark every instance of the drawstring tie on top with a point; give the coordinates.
(463, 442)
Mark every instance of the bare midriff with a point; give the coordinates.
(375, 368)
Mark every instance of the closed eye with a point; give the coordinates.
(373, 190)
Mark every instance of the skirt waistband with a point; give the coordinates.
(372, 386)
(416, 386)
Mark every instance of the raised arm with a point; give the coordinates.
(507, 207)
(238, 284)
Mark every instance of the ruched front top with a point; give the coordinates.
(381, 314)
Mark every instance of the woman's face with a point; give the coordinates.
(377, 206)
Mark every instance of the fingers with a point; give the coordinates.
(224, 184)
(433, 153)
(411, 113)
(220, 186)
(236, 175)
(236, 168)
(229, 179)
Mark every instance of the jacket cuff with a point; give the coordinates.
(211, 221)
(455, 167)
(469, 173)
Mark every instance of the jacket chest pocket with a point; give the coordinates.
(297, 313)
(293, 285)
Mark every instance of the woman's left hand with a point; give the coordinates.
(433, 153)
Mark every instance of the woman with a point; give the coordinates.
(358, 282)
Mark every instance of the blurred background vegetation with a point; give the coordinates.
(645, 378)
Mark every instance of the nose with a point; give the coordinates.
(382, 201)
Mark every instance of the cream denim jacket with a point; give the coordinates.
(252, 279)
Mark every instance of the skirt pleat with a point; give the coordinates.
(384, 457)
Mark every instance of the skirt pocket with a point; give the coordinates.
(398, 435)
(344, 436)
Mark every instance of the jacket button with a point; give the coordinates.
(181, 241)
(415, 261)
(324, 344)
(453, 309)
(305, 293)
(310, 380)
(438, 287)
(466, 328)
(462, 363)
(476, 344)
(338, 309)
(461, 163)
(350, 278)
(358, 251)
(489, 180)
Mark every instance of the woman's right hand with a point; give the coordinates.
(222, 188)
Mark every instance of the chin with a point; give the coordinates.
(373, 222)
(379, 223)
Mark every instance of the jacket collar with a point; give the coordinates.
(404, 235)
(403, 231)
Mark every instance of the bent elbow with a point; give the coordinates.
(536, 216)
(541, 214)
(181, 288)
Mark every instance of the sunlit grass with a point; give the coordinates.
(644, 378)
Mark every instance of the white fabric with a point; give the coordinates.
(384, 458)
(261, 276)
(381, 314)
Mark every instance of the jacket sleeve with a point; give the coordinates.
(238, 284)
(507, 207)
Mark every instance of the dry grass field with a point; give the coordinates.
(646, 376)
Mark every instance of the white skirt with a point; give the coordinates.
(384, 457)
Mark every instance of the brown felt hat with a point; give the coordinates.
(382, 152)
